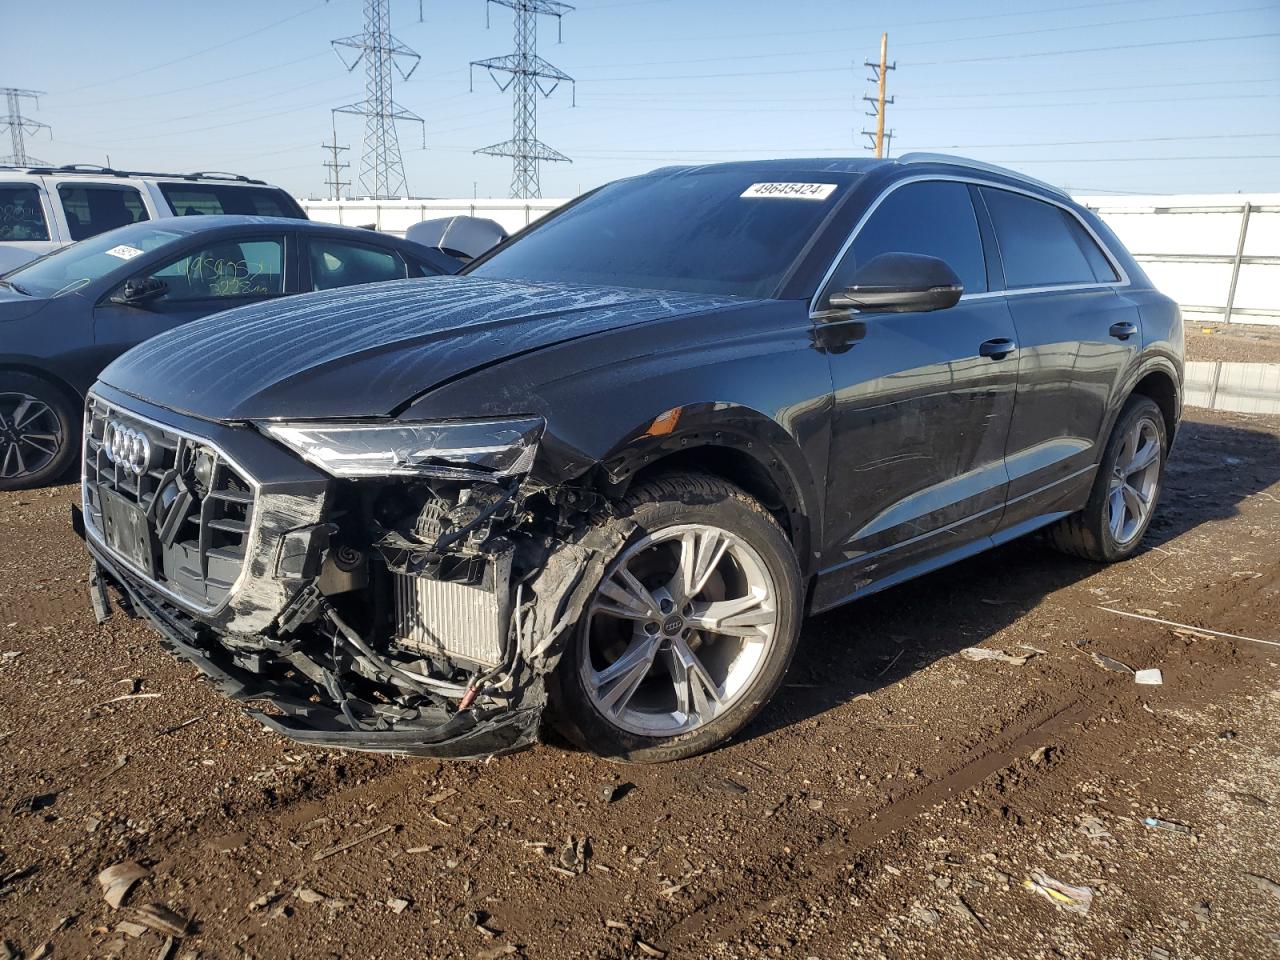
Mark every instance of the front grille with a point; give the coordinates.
(171, 507)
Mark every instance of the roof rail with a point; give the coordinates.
(921, 157)
(95, 169)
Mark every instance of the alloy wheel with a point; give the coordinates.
(1134, 480)
(30, 435)
(678, 629)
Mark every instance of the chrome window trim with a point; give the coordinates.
(816, 312)
(251, 541)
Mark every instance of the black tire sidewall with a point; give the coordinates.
(63, 408)
(1097, 514)
(578, 718)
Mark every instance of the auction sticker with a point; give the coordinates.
(124, 252)
(790, 191)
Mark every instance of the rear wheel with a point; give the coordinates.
(38, 431)
(1125, 490)
(690, 629)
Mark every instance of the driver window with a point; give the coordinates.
(934, 218)
(226, 268)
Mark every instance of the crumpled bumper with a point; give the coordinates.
(467, 734)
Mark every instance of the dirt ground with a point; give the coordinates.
(891, 802)
(1236, 343)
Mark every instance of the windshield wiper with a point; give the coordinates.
(21, 289)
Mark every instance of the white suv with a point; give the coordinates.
(45, 208)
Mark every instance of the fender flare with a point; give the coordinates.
(733, 427)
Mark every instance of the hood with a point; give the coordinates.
(16, 306)
(366, 351)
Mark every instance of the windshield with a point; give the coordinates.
(698, 231)
(80, 264)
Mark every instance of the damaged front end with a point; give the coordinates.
(402, 587)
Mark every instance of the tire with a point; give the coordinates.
(1094, 533)
(741, 556)
(39, 431)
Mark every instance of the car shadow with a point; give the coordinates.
(875, 642)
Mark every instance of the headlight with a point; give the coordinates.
(465, 449)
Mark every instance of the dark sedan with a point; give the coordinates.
(66, 316)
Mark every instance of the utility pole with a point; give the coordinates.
(381, 166)
(20, 126)
(335, 167)
(879, 141)
(529, 76)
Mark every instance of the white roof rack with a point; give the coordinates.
(920, 157)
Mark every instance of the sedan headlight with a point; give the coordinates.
(464, 449)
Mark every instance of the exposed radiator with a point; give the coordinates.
(449, 619)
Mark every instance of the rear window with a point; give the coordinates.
(1036, 242)
(210, 199)
(92, 209)
(21, 215)
(337, 263)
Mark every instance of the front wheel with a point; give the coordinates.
(690, 629)
(39, 430)
(1125, 489)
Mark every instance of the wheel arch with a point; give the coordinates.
(735, 443)
(1159, 384)
(43, 373)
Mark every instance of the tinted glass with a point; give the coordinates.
(71, 268)
(91, 209)
(21, 216)
(1102, 269)
(932, 218)
(193, 199)
(225, 268)
(336, 263)
(1036, 244)
(692, 231)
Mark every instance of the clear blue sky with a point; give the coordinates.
(1186, 98)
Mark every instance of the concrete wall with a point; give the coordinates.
(1218, 255)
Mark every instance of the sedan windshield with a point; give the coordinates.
(71, 268)
(696, 231)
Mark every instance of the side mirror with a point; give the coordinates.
(134, 293)
(901, 283)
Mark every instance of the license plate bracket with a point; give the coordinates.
(126, 530)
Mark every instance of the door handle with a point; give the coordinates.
(1123, 330)
(997, 349)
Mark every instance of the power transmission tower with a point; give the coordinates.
(335, 168)
(381, 166)
(529, 75)
(879, 141)
(20, 126)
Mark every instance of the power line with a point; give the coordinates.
(919, 63)
(20, 127)
(381, 166)
(526, 73)
(240, 37)
(914, 43)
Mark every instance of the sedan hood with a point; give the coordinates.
(17, 306)
(366, 351)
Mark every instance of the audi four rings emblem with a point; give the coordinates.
(127, 447)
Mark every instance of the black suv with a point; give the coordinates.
(605, 473)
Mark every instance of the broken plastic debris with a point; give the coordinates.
(1151, 677)
(161, 919)
(1168, 826)
(118, 880)
(982, 653)
(1063, 895)
(1111, 663)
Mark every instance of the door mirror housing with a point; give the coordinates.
(135, 293)
(900, 283)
